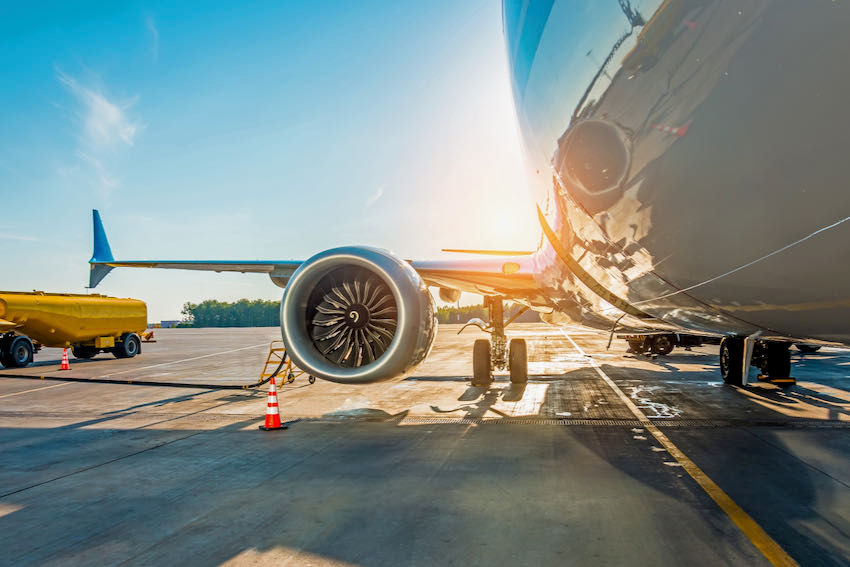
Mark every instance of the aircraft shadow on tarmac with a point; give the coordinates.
(685, 391)
(366, 414)
(667, 361)
(798, 395)
(482, 401)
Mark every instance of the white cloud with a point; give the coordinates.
(21, 237)
(374, 198)
(105, 123)
(151, 25)
(67, 170)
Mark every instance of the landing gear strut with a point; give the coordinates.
(496, 352)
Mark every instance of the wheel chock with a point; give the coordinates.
(781, 382)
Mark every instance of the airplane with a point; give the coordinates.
(689, 161)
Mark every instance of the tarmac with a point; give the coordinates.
(603, 458)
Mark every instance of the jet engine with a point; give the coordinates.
(357, 314)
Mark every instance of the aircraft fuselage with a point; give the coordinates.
(692, 171)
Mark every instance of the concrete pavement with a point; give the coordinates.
(423, 471)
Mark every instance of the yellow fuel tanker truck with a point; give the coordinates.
(88, 324)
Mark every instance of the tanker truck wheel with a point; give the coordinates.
(83, 352)
(663, 344)
(19, 353)
(129, 346)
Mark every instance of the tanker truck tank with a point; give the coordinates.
(88, 324)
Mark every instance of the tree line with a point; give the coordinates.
(263, 313)
(462, 314)
(242, 313)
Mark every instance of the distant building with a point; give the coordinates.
(169, 324)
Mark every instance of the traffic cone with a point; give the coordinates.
(65, 365)
(272, 412)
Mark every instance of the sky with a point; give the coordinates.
(251, 130)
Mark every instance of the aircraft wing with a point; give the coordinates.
(102, 262)
(281, 269)
(507, 275)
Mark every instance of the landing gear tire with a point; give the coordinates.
(662, 344)
(482, 372)
(808, 349)
(84, 352)
(129, 346)
(636, 346)
(19, 353)
(732, 360)
(518, 361)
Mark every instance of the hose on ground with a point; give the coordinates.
(257, 384)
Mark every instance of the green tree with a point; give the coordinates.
(242, 313)
(462, 314)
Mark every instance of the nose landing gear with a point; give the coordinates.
(496, 352)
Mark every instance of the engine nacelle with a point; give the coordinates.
(357, 314)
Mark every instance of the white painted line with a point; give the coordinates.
(183, 360)
(754, 532)
(35, 390)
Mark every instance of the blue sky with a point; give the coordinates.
(251, 131)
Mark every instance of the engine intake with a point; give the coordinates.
(357, 314)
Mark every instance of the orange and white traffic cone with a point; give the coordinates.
(272, 412)
(65, 365)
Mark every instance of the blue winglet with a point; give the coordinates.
(102, 253)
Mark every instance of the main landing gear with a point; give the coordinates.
(771, 357)
(496, 352)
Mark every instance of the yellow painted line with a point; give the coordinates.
(34, 390)
(754, 532)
